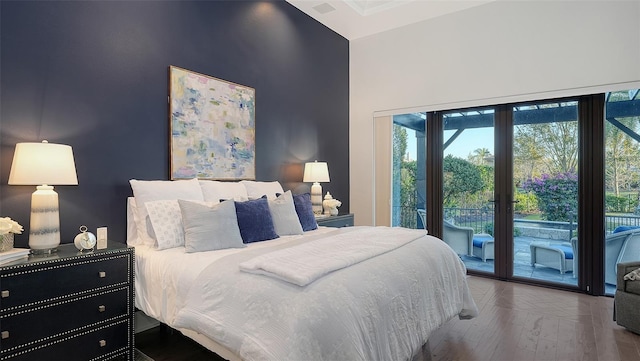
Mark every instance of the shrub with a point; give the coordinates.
(557, 195)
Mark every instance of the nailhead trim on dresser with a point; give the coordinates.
(110, 291)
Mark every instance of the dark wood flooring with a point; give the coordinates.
(516, 323)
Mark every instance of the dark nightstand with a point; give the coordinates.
(68, 306)
(341, 220)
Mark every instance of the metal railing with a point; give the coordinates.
(481, 220)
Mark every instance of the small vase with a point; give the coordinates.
(6, 242)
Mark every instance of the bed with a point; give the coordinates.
(356, 293)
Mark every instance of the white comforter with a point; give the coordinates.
(305, 263)
(383, 308)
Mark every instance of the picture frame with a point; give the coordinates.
(212, 127)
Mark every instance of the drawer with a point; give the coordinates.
(51, 320)
(100, 344)
(37, 283)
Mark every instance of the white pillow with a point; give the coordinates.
(283, 213)
(132, 231)
(209, 228)
(214, 191)
(257, 189)
(149, 191)
(166, 220)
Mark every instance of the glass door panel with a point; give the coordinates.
(622, 182)
(468, 186)
(545, 188)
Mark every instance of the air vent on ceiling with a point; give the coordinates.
(324, 8)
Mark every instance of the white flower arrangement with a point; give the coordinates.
(8, 225)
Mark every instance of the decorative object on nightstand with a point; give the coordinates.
(84, 241)
(68, 306)
(44, 165)
(330, 205)
(8, 227)
(342, 220)
(316, 172)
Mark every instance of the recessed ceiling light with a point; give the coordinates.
(324, 8)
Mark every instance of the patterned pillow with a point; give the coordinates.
(254, 220)
(302, 203)
(166, 220)
(283, 213)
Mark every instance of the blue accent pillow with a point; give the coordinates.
(624, 228)
(254, 220)
(304, 209)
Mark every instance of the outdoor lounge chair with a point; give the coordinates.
(458, 238)
(623, 245)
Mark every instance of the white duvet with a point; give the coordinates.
(382, 308)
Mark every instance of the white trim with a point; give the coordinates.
(512, 98)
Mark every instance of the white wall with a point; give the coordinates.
(494, 53)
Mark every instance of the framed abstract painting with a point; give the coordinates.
(212, 127)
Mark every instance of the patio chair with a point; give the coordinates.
(458, 238)
(623, 245)
(423, 217)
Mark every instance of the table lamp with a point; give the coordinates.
(316, 172)
(44, 165)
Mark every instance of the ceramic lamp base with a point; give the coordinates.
(316, 198)
(44, 228)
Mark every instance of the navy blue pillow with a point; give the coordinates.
(302, 202)
(254, 221)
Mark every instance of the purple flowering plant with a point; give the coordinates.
(557, 195)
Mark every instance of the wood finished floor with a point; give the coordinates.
(516, 323)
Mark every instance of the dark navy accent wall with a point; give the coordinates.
(93, 74)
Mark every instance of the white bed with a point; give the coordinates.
(380, 308)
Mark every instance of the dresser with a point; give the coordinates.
(341, 220)
(68, 306)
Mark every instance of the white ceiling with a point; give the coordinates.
(355, 19)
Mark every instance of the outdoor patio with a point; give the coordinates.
(523, 268)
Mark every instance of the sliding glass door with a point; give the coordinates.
(468, 167)
(539, 192)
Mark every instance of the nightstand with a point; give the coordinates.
(68, 305)
(341, 220)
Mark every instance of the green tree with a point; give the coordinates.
(541, 148)
(623, 156)
(460, 178)
(480, 156)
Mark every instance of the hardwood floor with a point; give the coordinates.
(521, 322)
(516, 323)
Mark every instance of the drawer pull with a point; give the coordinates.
(102, 343)
(4, 294)
(4, 334)
(102, 308)
(102, 274)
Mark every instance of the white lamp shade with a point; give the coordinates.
(316, 172)
(43, 163)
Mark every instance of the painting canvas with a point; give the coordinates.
(212, 127)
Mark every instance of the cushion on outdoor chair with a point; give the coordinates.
(478, 241)
(624, 228)
(568, 251)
